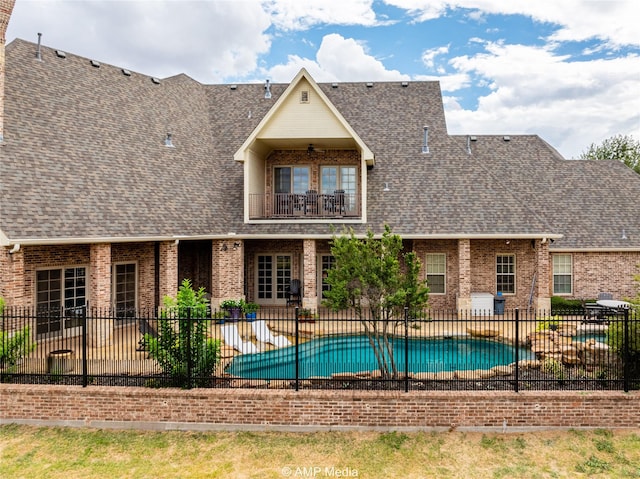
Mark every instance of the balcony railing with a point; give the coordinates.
(307, 205)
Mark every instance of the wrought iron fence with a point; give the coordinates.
(291, 348)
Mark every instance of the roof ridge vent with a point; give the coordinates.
(39, 49)
(126, 72)
(425, 139)
(61, 54)
(155, 80)
(95, 63)
(267, 89)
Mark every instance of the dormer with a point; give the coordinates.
(304, 162)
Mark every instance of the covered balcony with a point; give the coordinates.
(310, 204)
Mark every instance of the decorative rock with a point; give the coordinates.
(502, 370)
(344, 376)
(445, 375)
(424, 376)
(483, 332)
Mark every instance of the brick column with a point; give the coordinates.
(227, 270)
(542, 290)
(12, 280)
(100, 325)
(168, 269)
(463, 301)
(309, 288)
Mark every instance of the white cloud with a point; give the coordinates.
(337, 59)
(429, 56)
(536, 91)
(301, 15)
(205, 39)
(615, 21)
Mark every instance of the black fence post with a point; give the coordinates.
(189, 355)
(406, 349)
(85, 376)
(626, 354)
(297, 383)
(517, 351)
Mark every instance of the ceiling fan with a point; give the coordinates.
(312, 149)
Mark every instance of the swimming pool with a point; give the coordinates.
(322, 357)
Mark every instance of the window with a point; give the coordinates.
(60, 295)
(124, 288)
(340, 178)
(327, 262)
(291, 179)
(506, 273)
(562, 273)
(436, 267)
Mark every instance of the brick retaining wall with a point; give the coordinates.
(215, 409)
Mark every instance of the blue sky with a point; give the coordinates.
(566, 70)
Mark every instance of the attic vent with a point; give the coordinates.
(126, 72)
(39, 49)
(369, 85)
(267, 90)
(425, 139)
(155, 80)
(95, 64)
(506, 138)
(61, 54)
(233, 87)
(334, 85)
(304, 96)
(404, 84)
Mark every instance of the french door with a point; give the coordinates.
(273, 275)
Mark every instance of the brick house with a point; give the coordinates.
(114, 186)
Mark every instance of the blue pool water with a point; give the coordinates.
(335, 354)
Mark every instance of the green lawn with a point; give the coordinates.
(86, 453)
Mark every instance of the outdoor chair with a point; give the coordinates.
(339, 202)
(311, 202)
(145, 328)
(294, 293)
(232, 339)
(264, 335)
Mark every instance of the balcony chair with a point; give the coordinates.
(294, 293)
(311, 202)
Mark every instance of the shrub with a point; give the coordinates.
(182, 342)
(548, 323)
(13, 347)
(560, 304)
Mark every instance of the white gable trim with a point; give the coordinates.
(243, 152)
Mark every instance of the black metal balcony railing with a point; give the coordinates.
(307, 205)
(452, 350)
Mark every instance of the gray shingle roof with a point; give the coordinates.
(84, 157)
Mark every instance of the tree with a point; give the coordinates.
(616, 335)
(182, 341)
(368, 277)
(623, 148)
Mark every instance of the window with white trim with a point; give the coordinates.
(506, 273)
(562, 273)
(436, 268)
